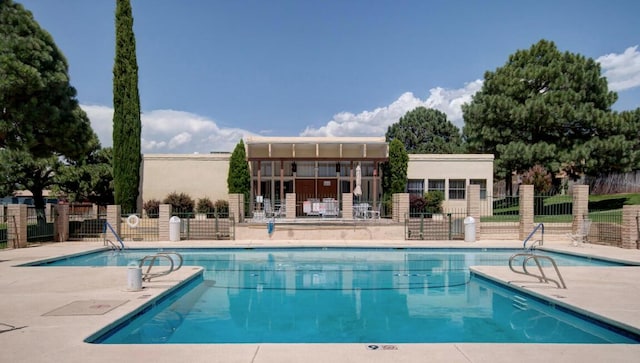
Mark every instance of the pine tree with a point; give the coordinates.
(126, 112)
(426, 131)
(549, 108)
(41, 123)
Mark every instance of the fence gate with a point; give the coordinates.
(207, 226)
(435, 227)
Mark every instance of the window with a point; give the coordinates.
(457, 188)
(483, 186)
(326, 169)
(265, 168)
(436, 184)
(306, 169)
(415, 187)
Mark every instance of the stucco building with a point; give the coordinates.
(315, 168)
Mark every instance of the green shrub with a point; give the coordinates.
(433, 201)
(181, 203)
(222, 206)
(152, 208)
(204, 205)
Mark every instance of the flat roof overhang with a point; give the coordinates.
(317, 148)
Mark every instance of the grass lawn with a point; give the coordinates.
(558, 209)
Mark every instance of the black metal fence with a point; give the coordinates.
(212, 224)
(4, 236)
(137, 227)
(86, 222)
(434, 226)
(500, 215)
(606, 228)
(40, 224)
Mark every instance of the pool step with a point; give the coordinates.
(520, 302)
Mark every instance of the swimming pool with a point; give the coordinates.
(346, 295)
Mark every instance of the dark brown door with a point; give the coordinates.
(327, 188)
(305, 189)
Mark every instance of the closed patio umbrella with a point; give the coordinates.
(357, 191)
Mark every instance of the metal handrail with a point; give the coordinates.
(104, 231)
(112, 245)
(169, 256)
(542, 277)
(539, 226)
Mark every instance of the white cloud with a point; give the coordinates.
(376, 122)
(622, 70)
(169, 131)
(101, 118)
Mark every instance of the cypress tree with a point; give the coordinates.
(394, 171)
(126, 112)
(239, 178)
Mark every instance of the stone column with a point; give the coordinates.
(580, 206)
(113, 218)
(236, 206)
(290, 205)
(61, 223)
(347, 206)
(473, 205)
(17, 225)
(400, 206)
(526, 211)
(164, 214)
(631, 226)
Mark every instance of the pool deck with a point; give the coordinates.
(46, 313)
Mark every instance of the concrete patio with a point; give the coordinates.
(32, 331)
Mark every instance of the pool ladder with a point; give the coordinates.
(542, 277)
(175, 262)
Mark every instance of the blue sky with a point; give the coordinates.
(214, 71)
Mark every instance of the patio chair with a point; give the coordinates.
(268, 208)
(331, 207)
(582, 236)
(374, 213)
(360, 210)
(280, 211)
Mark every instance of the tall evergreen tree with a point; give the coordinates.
(41, 123)
(394, 172)
(126, 112)
(239, 178)
(549, 108)
(426, 131)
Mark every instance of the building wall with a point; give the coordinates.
(205, 175)
(453, 166)
(198, 175)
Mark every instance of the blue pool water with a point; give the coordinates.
(348, 296)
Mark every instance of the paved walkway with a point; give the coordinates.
(33, 328)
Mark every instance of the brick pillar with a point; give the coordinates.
(290, 205)
(61, 223)
(580, 206)
(473, 205)
(631, 226)
(526, 211)
(400, 207)
(94, 211)
(17, 225)
(236, 206)
(48, 212)
(113, 218)
(164, 214)
(347, 206)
